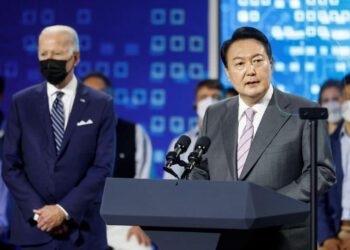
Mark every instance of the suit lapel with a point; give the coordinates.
(44, 113)
(229, 130)
(272, 121)
(79, 105)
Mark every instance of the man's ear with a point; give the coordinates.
(272, 62)
(227, 75)
(76, 58)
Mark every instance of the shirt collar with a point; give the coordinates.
(342, 133)
(69, 90)
(259, 107)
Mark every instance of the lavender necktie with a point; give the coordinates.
(245, 141)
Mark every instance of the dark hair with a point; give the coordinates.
(101, 76)
(245, 33)
(209, 83)
(330, 83)
(346, 80)
(231, 92)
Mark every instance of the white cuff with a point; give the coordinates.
(345, 215)
(64, 211)
(36, 217)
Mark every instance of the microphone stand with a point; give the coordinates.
(195, 158)
(185, 174)
(313, 115)
(168, 169)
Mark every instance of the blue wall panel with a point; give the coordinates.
(310, 38)
(154, 52)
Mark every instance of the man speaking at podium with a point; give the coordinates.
(259, 137)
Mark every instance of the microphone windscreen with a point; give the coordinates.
(184, 142)
(203, 143)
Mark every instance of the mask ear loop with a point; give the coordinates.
(68, 72)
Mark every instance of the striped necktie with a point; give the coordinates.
(245, 141)
(57, 118)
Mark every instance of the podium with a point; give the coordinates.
(192, 214)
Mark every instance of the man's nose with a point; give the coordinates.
(250, 69)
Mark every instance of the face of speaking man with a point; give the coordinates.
(249, 69)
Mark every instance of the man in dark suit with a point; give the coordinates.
(334, 206)
(58, 151)
(258, 137)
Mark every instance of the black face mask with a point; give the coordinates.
(53, 70)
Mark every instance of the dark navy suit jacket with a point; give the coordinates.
(329, 206)
(74, 178)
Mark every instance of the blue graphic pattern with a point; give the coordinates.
(154, 55)
(310, 39)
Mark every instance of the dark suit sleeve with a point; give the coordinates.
(202, 171)
(14, 176)
(300, 188)
(324, 225)
(91, 186)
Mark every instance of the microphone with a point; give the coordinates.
(195, 157)
(180, 147)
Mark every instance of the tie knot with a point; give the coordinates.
(249, 112)
(59, 94)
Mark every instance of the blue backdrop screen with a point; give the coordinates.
(153, 51)
(310, 38)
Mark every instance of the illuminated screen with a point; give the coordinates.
(310, 39)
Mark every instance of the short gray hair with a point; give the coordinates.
(69, 30)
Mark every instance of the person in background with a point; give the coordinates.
(4, 211)
(230, 92)
(134, 146)
(334, 206)
(2, 95)
(58, 151)
(330, 97)
(207, 92)
(5, 203)
(133, 160)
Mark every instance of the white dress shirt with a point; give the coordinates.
(345, 157)
(68, 98)
(143, 154)
(259, 109)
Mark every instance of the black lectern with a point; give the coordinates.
(191, 214)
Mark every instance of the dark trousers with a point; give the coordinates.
(6, 246)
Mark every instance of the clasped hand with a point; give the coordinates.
(50, 219)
